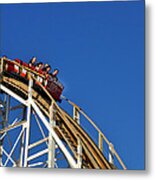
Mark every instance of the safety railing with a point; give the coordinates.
(101, 137)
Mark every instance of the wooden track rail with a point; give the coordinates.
(67, 128)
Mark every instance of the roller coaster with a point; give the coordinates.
(35, 131)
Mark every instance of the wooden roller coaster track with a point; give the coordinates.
(82, 147)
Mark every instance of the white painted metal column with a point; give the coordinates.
(55, 136)
(22, 140)
(28, 118)
(22, 147)
(76, 117)
(51, 142)
(1, 139)
(1, 66)
(5, 113)
(79, 153)
(111, 153)
(100, 141)
(7, 104)
(1, 147)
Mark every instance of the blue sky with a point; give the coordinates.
(99, 49)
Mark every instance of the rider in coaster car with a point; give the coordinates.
(53, 75)
(4, 57)
(32, 62)
(44, 67)
(47, 70)
(38, 66)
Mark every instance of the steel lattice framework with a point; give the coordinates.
(36, 132)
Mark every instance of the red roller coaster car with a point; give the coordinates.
(20, 69)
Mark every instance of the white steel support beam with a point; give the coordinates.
(1, 66)
(13, 148)
(76, 115)
(4, 122)
(1, 147)
(7, 155)
(2, 135)
(27, 126)
(79, 154)
(38, 143)
(100, 141)
(111, 153)
(7, 106)
(38, 154)
(3, 130)
(11, 127)
(36, 164)
(40, 127)
(1, 144)
(22, 139)
(22, 147)
(18, 98)
(51, 143)
(55, 136)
